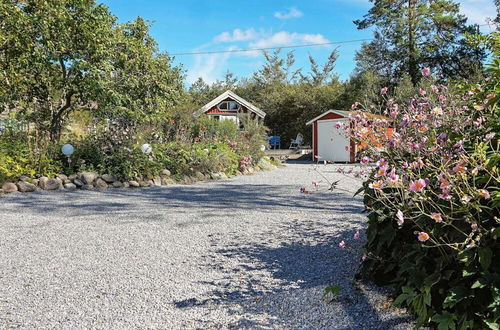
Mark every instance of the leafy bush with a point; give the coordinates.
(434, 201)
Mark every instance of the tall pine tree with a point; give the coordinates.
(418, 33)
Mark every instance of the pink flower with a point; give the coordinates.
(417, 186)
(315, 184)
(473, 227)
(437, 217)
(445, 194)
(342, 244)
(384, 90)
(365, 160)
(426, 71)
(382, 162)
(381, 171)
(304, 191)
(422, 92)
(356, 235)
(423, 236)
(401, 219)
(465, 198)
(393, 177)
(484, 193)
(459, 168)
(489, 136)
(475, 171)
(376, 184)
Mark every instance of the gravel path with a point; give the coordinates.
(248, 252)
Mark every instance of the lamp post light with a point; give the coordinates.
(146, 148)
(67, 151)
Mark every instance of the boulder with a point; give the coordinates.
(25, 186)
(134, 184)
(72, 177)
(78, 183)
(238, 173)
(66, 181)
(144, 184)
(70, 186)
(126, 184)
(9, 187)
(166, 181)
(63, 177)
(200, 176)
(265, 164)
(88, 187)
(24, 178)
(100, 184)
(117, 184)
(49, 184)
(88, 177)
(35, 182)
(165, 172)
(108, 178)
(156, 181)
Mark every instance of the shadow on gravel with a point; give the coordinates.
(212, 198)
(299, 270)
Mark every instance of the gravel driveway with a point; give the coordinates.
(248, 252)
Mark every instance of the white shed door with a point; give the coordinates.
(332, 142)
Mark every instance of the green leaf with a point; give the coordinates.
(480, 283)
(445, 321)
(457, 294)
(485, 257)
(333, 289)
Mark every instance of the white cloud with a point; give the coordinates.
(236, 35)
(208, 66)
(284, 38)
(292, 13)
(478, 11)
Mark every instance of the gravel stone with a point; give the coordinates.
(249, 252)
(70, 186)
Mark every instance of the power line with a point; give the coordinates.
(285, 47)
(270, 48)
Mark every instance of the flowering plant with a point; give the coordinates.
(434, 198)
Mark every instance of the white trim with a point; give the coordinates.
(343, 113)
(230, 94)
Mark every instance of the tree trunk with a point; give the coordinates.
(412, 48)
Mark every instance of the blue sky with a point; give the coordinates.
(212, 25)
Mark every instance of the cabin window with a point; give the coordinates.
(228, 105)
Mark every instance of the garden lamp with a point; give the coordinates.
(68, 150)
(146, 148)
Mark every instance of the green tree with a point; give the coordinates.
(418, 33)
(53, 54)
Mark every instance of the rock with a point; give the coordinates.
(78, 183)
(70, 186)
(117, 184)
(165, 172)
(66, 181)
(134, 184)
(49, 184)
(144, 184)
(24, 178)
(156, 181)
(126, 185)
(9, 187)
(166, 181)
(265, 164)
(25, 186)
(61, 183)
(1, 191)
(88, 177)
(200, 176)
(108, 178)
(72, 177)
(88, 187)
(100, 184)
(35, 182)
(238, 173)
(63, 177)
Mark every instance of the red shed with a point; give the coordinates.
(330, 142)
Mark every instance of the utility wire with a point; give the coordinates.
(270, 48)
(285, 47)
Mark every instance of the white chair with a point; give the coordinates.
(297, 142)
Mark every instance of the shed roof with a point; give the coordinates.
(345, 114)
